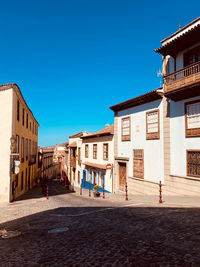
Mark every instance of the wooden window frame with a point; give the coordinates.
(23, 112)
(79, 156)
(22, 149)
(154, 135)
(126, 137)
(187, 173)
(94, 156)
(86, 151)
(105, 144)
(18, 110)
(26, 148)
(194, 132)
(27, 120)
(136, 158)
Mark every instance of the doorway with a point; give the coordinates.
(122, 176)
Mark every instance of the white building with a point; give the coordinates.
(98, 159)
(157, 135)
(139, 160)
(181, 70)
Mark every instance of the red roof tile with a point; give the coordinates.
(106, 131)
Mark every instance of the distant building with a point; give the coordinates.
(98, 159)
(19, 139)
(75, 157)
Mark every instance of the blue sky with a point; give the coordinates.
(74, 59)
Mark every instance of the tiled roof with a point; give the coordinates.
(181, 39)
(95, 165)
(109, 130)
(139, 100)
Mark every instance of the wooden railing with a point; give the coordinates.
(181, 77)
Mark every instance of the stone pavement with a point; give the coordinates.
(100, 232)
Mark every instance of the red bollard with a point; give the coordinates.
(103, 191)
(80, 190)
(160, 190)
(126, 192)
(47, 192)
(89, 190)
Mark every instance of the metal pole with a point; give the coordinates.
(126, 192)
(160, 195)
(89, 190)
(80, 189)
(103, 190)
(47, 193)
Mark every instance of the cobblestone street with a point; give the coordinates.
(99, 232)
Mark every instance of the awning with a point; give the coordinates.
(74, 144)
(95, 165)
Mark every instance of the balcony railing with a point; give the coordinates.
(183, 77)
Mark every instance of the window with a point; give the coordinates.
(192, 56)
(27, 120)
(105, 151)
(23, 117)
(193, 163)
(30, 126)
(79, 155)
(22, 180)
(22, 150)
(17, 143)
(192, 119)
(138, 163)
(29, 150)
(86, 151)
(152, 125)
(18, 109)
(95, 151)
(26, 148)
(33, 128)
(126, 129)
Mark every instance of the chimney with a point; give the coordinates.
(107, 125)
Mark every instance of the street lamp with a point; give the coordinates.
(12, 141)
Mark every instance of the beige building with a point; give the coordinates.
(98, 159)
(19, 139)
(75, 158)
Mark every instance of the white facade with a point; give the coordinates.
(100, 173)
(179, 142)
(153, 149)
(6, 100)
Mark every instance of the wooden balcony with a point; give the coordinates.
(186, 77)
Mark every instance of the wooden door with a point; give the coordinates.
(94, 175)
(138, 163)
(122, 176)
